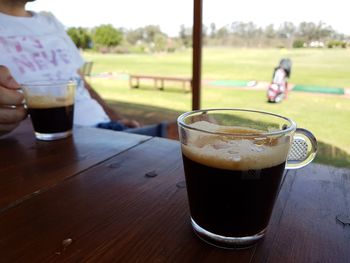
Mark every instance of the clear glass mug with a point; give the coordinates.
(51, 108)
(234, 161)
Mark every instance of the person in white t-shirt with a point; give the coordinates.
(35, 46)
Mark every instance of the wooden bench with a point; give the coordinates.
(160, 79)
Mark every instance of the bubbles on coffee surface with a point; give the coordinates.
(39, 102)
(234, 148)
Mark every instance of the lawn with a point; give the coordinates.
(327, 116)
(318, 67)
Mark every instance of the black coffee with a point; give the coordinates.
(52, 120)
(231, 202)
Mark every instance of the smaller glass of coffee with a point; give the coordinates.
(51, 108)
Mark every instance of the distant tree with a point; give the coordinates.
(245, 30)
(80, 36)
(238, 34)
(150, 32)
(160, 42)
(323, 31)
(222, 33)
(204, 34)
(270, 31)
(310, 31)
(134, 36)
(306, 30)
(107, 36)
(147, 34)
(238, 28)
(185, 35)
(286, 30)
(212, 30)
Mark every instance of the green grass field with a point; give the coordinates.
(327, 116)
(319, 67)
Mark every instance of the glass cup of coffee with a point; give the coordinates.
(234, 161)
(51, 108)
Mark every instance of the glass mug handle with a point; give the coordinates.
(303, 149)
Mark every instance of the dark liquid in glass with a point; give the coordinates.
(230, 202)
(52, 120)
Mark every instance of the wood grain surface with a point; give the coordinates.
(126, 202)
(29, 166)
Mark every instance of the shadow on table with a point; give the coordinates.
(327, 154)
(144, 113)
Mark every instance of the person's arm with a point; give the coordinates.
(12, 110)
(112, 114)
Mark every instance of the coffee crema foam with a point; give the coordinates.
(234, 153)
(42, 102)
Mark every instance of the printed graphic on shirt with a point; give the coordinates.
(46, 58)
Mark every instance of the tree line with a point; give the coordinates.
(106, 38)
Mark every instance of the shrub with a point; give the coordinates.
(336, 43)
(107, 36)
(80, 36)
(298, 43)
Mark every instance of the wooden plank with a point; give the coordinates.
(308, 230)
(113, 213)
(28, 166)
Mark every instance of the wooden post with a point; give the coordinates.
(197, 54)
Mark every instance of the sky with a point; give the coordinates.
(170, 15)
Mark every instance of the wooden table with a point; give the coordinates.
(104, 196)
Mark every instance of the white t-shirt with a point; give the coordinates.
(38, 48)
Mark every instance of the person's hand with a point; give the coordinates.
(114, 116)
(12, 110)
(130, 123)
